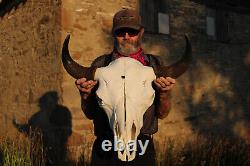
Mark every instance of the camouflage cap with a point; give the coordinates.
(126, 18)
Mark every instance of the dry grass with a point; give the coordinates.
(201, 151)
(20, 151)
(205, 151)
(14, 153)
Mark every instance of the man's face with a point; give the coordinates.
(128, 40)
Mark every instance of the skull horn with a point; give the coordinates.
(74, 69)
(179, 67)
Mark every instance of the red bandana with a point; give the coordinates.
(137, 55)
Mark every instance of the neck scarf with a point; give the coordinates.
(139, 55)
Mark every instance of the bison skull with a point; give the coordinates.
(125, 92)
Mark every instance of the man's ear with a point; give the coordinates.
(141, 31)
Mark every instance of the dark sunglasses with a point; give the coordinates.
(122, 32)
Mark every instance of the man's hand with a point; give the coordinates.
(164, 84)
(85, 87)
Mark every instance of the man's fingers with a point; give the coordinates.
(159, 86)
(86, 86)
(91, 84)
(80, 81)
(171, 80)
(167, 81)
(164, 84)
(161, 82)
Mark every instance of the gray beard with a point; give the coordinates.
(127, 47)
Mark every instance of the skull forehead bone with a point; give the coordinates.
(125, 92)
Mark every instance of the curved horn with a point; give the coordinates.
(179, 67)
(74, 69)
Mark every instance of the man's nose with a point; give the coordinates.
(126, 35)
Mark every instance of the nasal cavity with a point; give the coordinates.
(133, 131)
(117, 130)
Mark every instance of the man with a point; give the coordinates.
(127, 32)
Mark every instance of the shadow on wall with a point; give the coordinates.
(48, 131)
(218, 93)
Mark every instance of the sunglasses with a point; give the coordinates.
(122, 32)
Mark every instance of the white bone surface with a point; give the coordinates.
(125, 100)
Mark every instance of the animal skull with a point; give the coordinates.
(122, 83)
(125, 90)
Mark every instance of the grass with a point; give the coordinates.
(205, 151)
(201, 151)
(12, 154)
(21, 151)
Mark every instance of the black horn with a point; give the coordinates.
(179, 67)
(74, 69)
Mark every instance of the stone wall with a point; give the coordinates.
(29, 61)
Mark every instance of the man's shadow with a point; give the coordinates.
(48, 131)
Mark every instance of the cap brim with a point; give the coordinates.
(136, 27)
